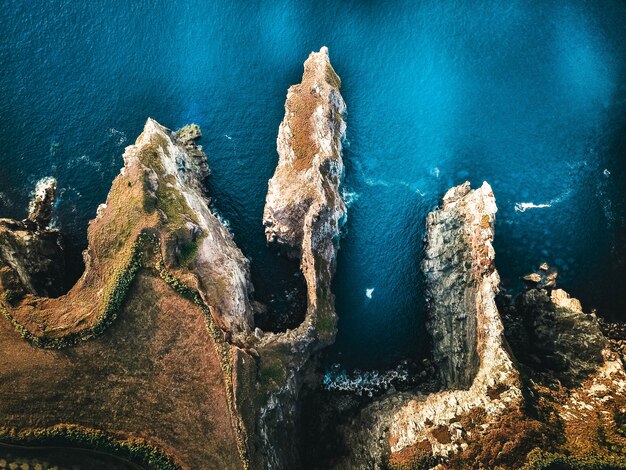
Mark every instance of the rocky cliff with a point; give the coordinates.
(303, 213)
(469, 348)
(153, 354)
(165, 301)
(155, 346)
(560, 407)
(31, 251)
(158, 192)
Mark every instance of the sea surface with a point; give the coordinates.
(527, 95)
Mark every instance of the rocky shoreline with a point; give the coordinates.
(518, 381)
(154, 353)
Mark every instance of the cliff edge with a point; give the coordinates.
(469, 347)
(303, 214)
(552, 396)
(165, 304)
(155, 344)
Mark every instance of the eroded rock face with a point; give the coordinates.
(200, 242)
(565, 401)
(557, 337)
(304, 209)
(162, 262)
(31, 252)
(469, 348)
(303, 214)
(458, 263)
(159, 191)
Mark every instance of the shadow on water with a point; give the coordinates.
(282, 291)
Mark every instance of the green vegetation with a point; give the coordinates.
(136, 450)
(541, 460)
(223, 350)
(112, 300)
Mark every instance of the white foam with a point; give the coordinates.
(350, 197)
(223, 220)
(119, 135)
(369, 292)
(606, 172)
(524, 206)
(360, 382)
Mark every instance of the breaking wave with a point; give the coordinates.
(524, 206)
(349, 197)
(368, 383)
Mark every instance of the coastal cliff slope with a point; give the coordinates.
(31, 251)
(164, 291)
(155, 343)
(468, 343)
(158, 191)
(303, 214)
(552, 398)
(153, 354)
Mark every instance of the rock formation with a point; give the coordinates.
(166, 305)
(164, 290)
(551, 333)
(158, 191)
(31, 252)
(562, 407)
(154, 354)
(469, 348)
(303, 213)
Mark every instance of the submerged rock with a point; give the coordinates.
(544, 279)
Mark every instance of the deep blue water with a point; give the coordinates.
(530, 96)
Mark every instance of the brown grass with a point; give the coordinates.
(153, 374)
(302, 104)
(413, 457)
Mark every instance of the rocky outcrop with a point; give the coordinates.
(303, 208)
(461, 283)
(159, 191)
(562, 403)
(549, 332)
(469, 348)
(303, 214)
(156, 232)
(31, 253)
(196, 241)
(161, 264)
(574, 377)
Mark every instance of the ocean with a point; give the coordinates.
(527, 95)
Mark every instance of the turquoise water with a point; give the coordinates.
(530, 96)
